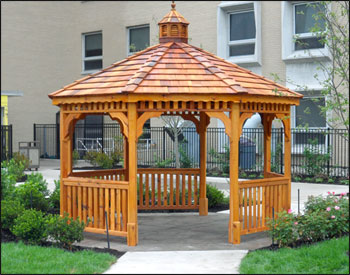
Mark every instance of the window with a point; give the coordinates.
(92, 52)
(304, 21)
(298, 42)
(239, 32)
(242, 33)
(138, 39)
(309, 113)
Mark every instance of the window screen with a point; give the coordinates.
(242, 26)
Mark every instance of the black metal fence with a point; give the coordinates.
(6, 142)
(314, 151)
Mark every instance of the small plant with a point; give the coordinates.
(185, 160)
(10, 210)
(65, 230)
(283, 229)
(319, 180)
(297, 179)
(76, 157)
(55, 196)
(331, 180)
(315, 161)
(33, 192)
(30, 226)
(162, 163)
(222, 159)
(308, 179)
(8, 182)
(345, 182)
(215, 196)
(99, 159)
(15, 168)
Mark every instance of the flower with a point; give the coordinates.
(333, 193)
(335, 200)
(328, 209)
(296, 223)
(342, 193)
(333, 217)
(289, 211)
(329, 193)
(336, 207)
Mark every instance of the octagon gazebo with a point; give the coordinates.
(172, 78)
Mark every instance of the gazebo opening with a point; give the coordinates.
(172, 78)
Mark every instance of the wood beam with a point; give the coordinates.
(267, 123)
(202, 128)
(234, 222)
(123, 121)
(132, 227)
(225, 119)
(143, 118)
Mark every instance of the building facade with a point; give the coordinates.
(46, 45)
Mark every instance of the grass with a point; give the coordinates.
(328, 257)
(18, 258)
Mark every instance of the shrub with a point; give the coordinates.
(283, 228)
(20, 158)
(8, 182)
(33, 192)
(14, 168)
(215, 196)
(185, 160)
(75, 156)
(30, 226)
(324, 218)
(65, 230)
(222, 159)
(54, 200)
(10, 210)
(99, 159)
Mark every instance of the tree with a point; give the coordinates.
(176, 125)
(332, 28)
(335, 36)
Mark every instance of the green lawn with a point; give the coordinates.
(328, 257)
(18, 258)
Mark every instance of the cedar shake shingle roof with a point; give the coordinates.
(174, 67)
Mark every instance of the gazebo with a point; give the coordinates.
(172, 78)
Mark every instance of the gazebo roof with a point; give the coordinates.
(174, 67)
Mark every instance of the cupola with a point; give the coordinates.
(173, 27)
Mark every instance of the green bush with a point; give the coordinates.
(215, 196)
(324, 218)
(8, 182)
(54, 200)
(30, 226)
(185, 160)
(65, 230)
(223, 159)
(10, 210)
(20, 158)
(283, 229)
(99, 159)
(75, 156)
(33, 192)
(14, 168)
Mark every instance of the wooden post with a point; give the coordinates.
(65, 157)
(132, 229)
(126, 158)
(267, 123)
(234, 222)
(203, 200)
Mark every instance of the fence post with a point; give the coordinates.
(328, 143)
(34, 131)
(57, 141)
(10, 141)
(163, 143)
(281, 155)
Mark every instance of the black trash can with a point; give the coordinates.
(247, 157)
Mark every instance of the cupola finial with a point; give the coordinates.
(173, 27)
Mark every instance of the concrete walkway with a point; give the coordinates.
(185, 243)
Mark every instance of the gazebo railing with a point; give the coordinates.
(168, 188)
(257, 198)
(89, 198)
(106, 174)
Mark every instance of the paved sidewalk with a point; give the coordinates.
(179, 262)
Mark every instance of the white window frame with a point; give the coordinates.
(91, 58)
(288, 35)
(128, 36)
(223, 32)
